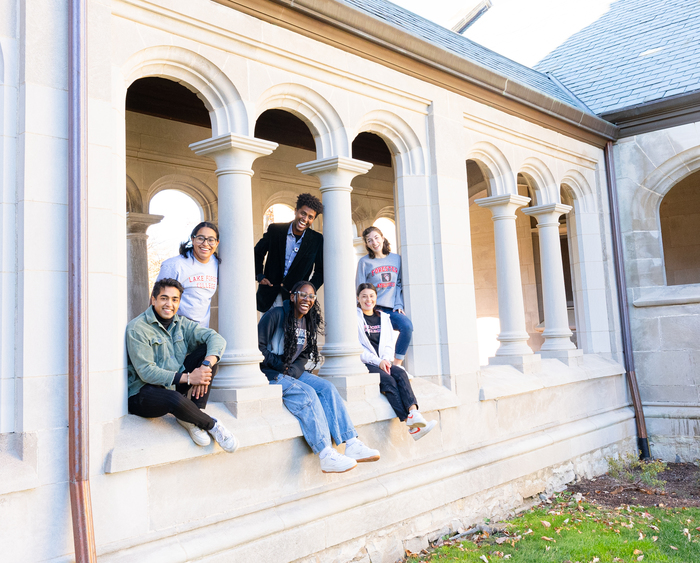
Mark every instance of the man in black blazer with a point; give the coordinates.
(293, 251)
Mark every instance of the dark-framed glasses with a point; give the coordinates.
(303, 295)
(211, 241)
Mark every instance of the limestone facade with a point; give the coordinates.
(539, 412)
(654, 171)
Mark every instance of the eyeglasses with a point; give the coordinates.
(211, 241)
(302, 295)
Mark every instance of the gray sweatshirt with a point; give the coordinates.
(385, 274)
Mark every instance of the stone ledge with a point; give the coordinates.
(497, 382)
(296, 528)
(666, 295)
(133, 442)
(18, 462)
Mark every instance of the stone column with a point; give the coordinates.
(341, 351)
(239, 382)
(556, 333)
(511, 308)
(137, 287)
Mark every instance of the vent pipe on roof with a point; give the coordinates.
(467, 17)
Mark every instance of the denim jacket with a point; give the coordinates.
(155, 355)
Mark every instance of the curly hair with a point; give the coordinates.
(314, 327)
(186, 247)
(310, 201)
(386, 247)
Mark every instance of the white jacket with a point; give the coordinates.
(386, 340)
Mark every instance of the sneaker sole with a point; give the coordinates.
(364, 459)
(343, 471)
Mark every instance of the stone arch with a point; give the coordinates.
(401, 139)
(313, 109)
(541, 180)
(197, 74)
(134, 199)
(205, 197)
(386, 212)
(645, 205)
(285, 197)
(580, 191)
(495, 168)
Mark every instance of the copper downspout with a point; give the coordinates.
(79, 475)
(642, 439)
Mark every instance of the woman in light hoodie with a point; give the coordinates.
(376, 338)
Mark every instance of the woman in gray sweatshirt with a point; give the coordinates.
(382, 268)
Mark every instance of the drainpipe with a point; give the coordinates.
(79, 475)
(642, 439)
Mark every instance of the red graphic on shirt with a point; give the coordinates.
(202, 281)
(385, 273)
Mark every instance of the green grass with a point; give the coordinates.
(610, 535)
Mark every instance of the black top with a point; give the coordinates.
(308, 260)
(373, 330)
(271, 332)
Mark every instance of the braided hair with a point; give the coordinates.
(314, 326)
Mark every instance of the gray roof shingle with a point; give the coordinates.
(596, 63)
(460, 45)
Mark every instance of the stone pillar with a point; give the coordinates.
(137, 287)
(513, 337)
(341, 351)
(239, 382)
(556, 333)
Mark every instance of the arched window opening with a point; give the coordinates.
(483, 264)
(679, 215)
(166, 99)
(280, 126)
(277, 213)
(370, 147)
(180, 215)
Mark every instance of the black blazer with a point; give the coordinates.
(274, 245)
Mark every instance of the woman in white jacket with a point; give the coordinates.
(375, 332)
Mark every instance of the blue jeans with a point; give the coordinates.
(319, 408)
(405, 327)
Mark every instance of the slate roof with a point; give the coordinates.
(639, 51)
(446, 39)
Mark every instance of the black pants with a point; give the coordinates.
(153, 401)
(397, 389)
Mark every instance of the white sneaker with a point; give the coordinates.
(415, 420)
(359, 452)
(198, 435)
(224, 438)
(337, 463)
(418, 433)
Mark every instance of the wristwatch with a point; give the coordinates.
(206, 363)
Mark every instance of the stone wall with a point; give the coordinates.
(664, 313)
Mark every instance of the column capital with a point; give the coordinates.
(335, 172)
(503, 206)
(138, 223)
(548, 213)
(234, 152)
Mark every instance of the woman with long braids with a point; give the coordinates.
(197, 269)
(376, 338)
(382, 269)
(287, 338)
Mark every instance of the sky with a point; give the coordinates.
(522, 30)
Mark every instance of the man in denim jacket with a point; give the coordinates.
(171, 362)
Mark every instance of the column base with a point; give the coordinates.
(339, 360)
(250, 402)
(356, 387)
(528, 364)
(571, 358)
